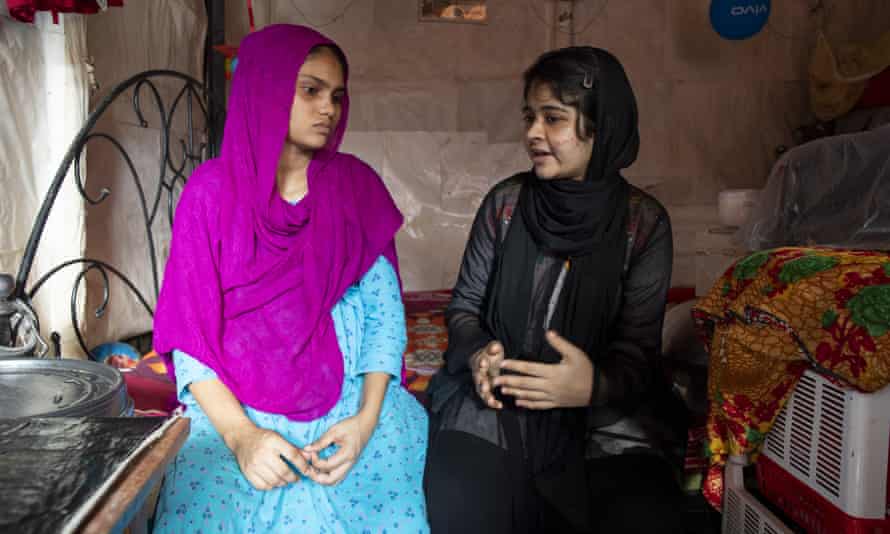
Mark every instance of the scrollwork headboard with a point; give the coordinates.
(19, 323)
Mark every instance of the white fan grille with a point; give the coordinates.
(829, 455)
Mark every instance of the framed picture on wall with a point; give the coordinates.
(464, 11)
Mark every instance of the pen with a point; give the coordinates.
(290, 465)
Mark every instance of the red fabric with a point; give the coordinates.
(24, 10)
(877, 91)
(679, 294)
(150, 393)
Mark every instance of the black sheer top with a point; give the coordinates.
(628, 409)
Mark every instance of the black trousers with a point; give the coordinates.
(470, 489)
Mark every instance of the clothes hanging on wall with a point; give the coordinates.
(839, 75)
(24, 10)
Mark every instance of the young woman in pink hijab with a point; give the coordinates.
(281, 315)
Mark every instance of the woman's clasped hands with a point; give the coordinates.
(536, 386)
(270, 461)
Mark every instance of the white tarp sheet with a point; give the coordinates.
(43, 102)
(437, 179)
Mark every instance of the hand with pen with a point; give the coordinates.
(269, 461)
(350, 437)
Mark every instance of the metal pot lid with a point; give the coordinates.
(34, 387)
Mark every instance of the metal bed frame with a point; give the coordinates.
(19, 324)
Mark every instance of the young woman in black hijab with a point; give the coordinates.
(552, 412)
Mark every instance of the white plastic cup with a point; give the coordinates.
(734, 206)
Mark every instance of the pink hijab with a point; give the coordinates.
(251, 280)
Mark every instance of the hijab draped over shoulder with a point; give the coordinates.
(251, 280)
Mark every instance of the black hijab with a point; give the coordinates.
(584, 222)
(581, 221)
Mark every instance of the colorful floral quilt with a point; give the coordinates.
(776, 313)
(427, 337)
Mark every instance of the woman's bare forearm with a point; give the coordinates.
(222, 408)
(373, 392)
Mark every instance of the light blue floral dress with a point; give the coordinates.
(205, 491)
